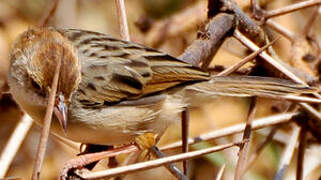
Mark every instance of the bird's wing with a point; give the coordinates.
(114, 70)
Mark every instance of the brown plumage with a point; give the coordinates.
(116, 90)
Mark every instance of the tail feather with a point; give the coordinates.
(248, 86)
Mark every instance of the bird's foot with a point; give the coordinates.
(145, 142)
(83, 160)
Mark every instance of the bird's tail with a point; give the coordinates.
(248, 86)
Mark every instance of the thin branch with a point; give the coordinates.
(208, 42)
(257, 124)
(244, 148)
(172, 169)
(46, 125)
(291, 8)
(13, 144)
(301, 151)
(153, 163)
(45, 21)
(282, 69)
(247, 59)
(260, 148)
(221, 172)
(248, 43)
(288, 153)
(306, 29)
(185, 135)
(85, 159)
(122, 20)
(281, 30)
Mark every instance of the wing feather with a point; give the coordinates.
(114, 70)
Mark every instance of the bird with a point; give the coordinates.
(112, 91)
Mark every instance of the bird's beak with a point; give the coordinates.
(61, 111)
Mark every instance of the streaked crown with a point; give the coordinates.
(40, 49)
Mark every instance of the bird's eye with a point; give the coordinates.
(35, 85)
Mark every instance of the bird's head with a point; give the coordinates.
(37, 53)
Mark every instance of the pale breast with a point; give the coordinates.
(120, 124)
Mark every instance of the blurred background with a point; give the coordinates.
(148, 20)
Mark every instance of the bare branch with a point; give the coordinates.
(247, 59)
(153, 163)
(291, 8)
(260, 147)
(185, 135)
(306, 29)
(244, 148)
(281, 30)
(257, 124)
(122, 20)
(46, 125)
(301, 151)
(13, 144)
(204, 48)
(288, 153)
(220, 173)
(248, 43)
(45, 21)
(171, 167)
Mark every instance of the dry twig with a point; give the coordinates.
(123, 27)
(301, 151)
(257, 124)
(244, 148)
(288, 153)
(291, 8)
(45, 21)
(260, 147)
(185, 135)
(46, 125)
(220, 173)
(13, 144)
(153, 163)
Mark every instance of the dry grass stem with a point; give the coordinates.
(248, 43)
(278, 66)
(244, 148)
(153, 163)
(45, 20)
(171, 167)
(260, 148)
(288, 153)
(301, 151)
(86, 159)
(122, 20)
(247, 59)
(291, 8)
(281, 30)
(221, 172)
(42, 146)
(306, 29)
(185, 135)
(13, 144)
(311, 111)
(257, 124)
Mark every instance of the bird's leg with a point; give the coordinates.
(86, 159)
(145, 142)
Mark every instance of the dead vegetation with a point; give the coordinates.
(216, 35)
